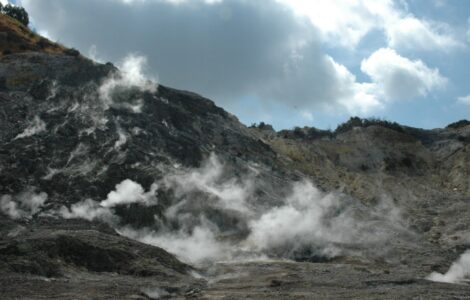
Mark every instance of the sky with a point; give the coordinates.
(286, 62)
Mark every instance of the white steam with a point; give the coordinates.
(123, 88)
(318, 223)
(79, 163)
(458, 271)
(198, 246)
(23, 205)
(309, 220)
(300, 220)
(155, 293)
(213, 217)
(122, 138)
(36, 126)
(130, 75)
(126, 192)
(224, 193)
(197, 238)
(89, 210)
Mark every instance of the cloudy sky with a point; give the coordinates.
(286, 62)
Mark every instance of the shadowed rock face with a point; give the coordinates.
(173, 127)
(67, 134)
(51, 249)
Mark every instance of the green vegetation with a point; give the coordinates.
(71, 52)
(309, 133)
(312, 133)
(16, 12)
(262, 126)
(15, 37)
(358, 122)
(459, 124)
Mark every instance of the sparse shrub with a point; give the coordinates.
(350, 124)
(16, 12)
(42, 43)
(6, 52)
(358, 122)
(299, 133)
(459, 124)
(262, 126)
(305, 133)
(314, 133)
(72, 52)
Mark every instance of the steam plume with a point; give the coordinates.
(458, 271)
(23, 205)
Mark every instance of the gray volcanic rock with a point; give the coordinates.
(424, 172)
(102, 144)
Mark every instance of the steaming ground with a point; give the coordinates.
(459, 271)
(307, 223)
(214, 217)
(23, 205)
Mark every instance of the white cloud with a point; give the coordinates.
(413, 34)
(365, 98)
(440, 3)
(307, 115)
(357, 98)
(215, 51)
(175, 2)
(346, 23)
(400, 77)
(468, 31)
(342, 21)
(222, 56)
(464, 99)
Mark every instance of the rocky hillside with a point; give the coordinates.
(17, 38)
(425, 172)
(112, 186)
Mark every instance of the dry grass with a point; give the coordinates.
(17, 38)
